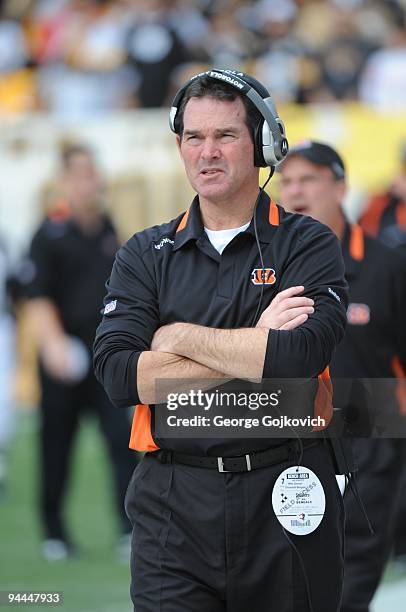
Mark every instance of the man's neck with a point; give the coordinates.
(228, 214)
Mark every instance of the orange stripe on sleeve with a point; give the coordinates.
(141, 437)
(323, 402)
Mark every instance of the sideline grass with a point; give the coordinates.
(96, 582)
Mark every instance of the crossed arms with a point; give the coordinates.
(184, 350)
(294, 338)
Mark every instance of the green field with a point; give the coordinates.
(95, 582)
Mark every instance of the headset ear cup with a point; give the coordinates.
(259, 160)
(268, 146)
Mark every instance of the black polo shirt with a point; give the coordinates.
(70, 268)
(171, 273)
(376, 321)
(373, 351)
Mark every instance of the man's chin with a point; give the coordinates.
(215, 198)
(215, 193)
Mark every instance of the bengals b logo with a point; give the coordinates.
(263, 276)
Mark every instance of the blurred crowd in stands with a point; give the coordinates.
(81, 57)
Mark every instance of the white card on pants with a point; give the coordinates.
(298, 500)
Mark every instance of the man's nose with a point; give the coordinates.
(210, 149)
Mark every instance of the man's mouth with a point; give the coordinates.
(210, 171)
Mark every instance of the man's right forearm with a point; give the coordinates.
(154, 365)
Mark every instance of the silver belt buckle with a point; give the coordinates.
(220, 464)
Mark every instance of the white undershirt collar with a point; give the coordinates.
(221, 238)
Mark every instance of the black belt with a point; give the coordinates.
(243, 463)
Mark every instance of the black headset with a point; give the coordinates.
(270, 143)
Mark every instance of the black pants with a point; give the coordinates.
(205, 541)
(61, 407)
(380, 463)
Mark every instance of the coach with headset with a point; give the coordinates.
(235, 288)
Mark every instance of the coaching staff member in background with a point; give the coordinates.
(70, 257)
(313, 183)
(182, 302)
(384, 216)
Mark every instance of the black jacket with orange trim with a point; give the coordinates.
(171, 272)
(373, 350)
(376, 322)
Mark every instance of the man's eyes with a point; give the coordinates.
(197, 137)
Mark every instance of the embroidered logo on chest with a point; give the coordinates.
(263, 276)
